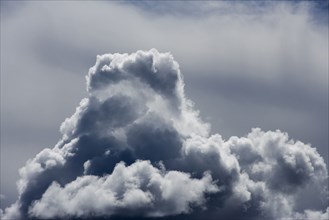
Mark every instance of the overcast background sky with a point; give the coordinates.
(245, 65)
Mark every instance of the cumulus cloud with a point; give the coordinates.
(139, 189)
(136, 147)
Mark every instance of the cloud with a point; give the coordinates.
(251, 62)
(137, 147)
(309, 214)
(139, 189)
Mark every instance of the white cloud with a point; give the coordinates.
(136, 112)
(138, 189)
(310, 214)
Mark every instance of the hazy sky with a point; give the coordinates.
(245, 65)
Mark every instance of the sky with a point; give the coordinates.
(243, 65)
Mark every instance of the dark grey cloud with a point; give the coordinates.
(137, 148)
(194, 9)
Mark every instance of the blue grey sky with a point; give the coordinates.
(245, 64)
